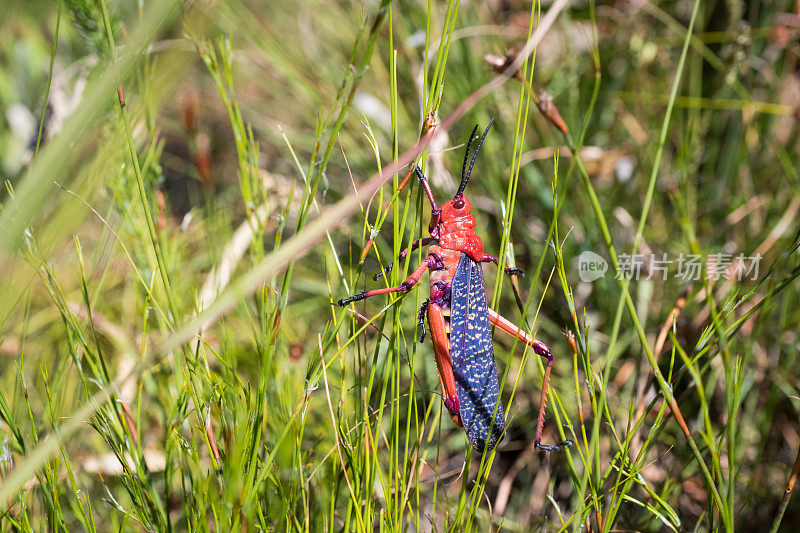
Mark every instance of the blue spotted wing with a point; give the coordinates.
(472, 357)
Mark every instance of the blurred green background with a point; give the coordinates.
(171, 358)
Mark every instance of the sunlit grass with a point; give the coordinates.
(173, 356)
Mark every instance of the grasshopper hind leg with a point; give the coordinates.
(542, 350)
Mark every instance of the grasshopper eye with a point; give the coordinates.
(458, 202)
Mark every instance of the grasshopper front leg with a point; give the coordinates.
(430, 262)
(508, 270)
(414, 245)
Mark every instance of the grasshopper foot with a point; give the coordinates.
(553, 447)
(386, 270)
(350, 299)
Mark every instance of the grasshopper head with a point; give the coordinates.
(457, 208)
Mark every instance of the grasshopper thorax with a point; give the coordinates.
(455, 229)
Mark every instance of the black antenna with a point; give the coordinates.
(466, 152)
(465, 178)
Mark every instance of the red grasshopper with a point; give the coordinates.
(459, 318)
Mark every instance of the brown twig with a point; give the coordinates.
(428, 130)
(787, 494)
(210, 436)
(544, 102)
(659, 346)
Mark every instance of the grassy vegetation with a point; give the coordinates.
(190, 186)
